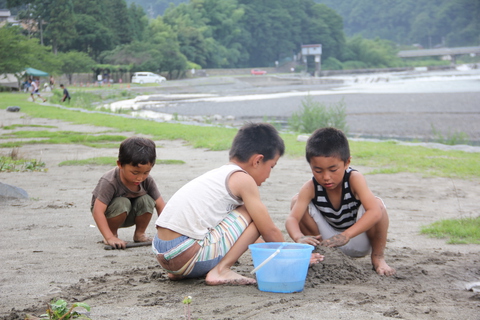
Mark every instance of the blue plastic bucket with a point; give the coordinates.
(286, 271)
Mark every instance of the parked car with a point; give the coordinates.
(257, 72)
(147, 77)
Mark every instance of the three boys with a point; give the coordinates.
(208, 223)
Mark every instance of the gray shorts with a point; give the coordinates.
(133, 207)
(358, 246)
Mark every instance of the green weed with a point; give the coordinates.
(14, 163)
(451, 139)
(314, 115)
(59, 310)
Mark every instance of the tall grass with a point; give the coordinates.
(314, 115)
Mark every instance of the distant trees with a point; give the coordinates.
(242, 33)
(247, 33)
(426, 22)
(75, 62)
(18, 52)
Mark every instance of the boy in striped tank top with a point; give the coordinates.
(336, 208)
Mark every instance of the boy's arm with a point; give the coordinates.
(159, 205)
(300, 207)
(245, 187)
(99, 209)
(371, 216)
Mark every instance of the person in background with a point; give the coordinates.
(66, 94)
(52, 82)
(34, 90)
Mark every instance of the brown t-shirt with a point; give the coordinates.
(110, 187)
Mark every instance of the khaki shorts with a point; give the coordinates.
(133, 207)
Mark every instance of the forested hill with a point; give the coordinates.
(154, 8)
(426, 22)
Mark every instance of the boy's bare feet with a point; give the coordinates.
(228, 277)
(382, 268)
(142, 238)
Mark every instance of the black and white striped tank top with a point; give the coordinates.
(346, 215)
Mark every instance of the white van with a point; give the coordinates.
(147, 77)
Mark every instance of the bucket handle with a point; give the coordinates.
(268, 259)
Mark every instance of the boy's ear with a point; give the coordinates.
(347, 163)
(119, 164)
(256, 159)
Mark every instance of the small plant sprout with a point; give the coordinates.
(58, 310)
(187, 301)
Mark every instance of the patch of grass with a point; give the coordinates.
(315, 114)
(109, 161)
(213, 138)
(14, 163)
(391, 157)
(15, 126)
(169, 161)
(452, 138)
(457, 231)
(59, 137)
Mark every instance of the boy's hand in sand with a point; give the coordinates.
(335, 241)
(312, 240)
(116, 243)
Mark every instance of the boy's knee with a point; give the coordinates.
(117, 207)
(144, 204)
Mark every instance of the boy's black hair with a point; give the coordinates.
(257, 138)
(137, 150)
(328, 142)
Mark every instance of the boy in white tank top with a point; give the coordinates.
(208, 224)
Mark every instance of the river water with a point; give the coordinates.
(416, 105)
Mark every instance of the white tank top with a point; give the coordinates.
(201, 204)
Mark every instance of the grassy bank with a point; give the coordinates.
(383, 157)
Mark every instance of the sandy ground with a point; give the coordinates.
(51, 248)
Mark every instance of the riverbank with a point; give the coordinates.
(414, 106)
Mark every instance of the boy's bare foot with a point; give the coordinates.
(382, 268)
(142, 238)
(229, 277)
(174, 277)
(316, 258)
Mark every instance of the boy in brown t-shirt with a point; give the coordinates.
(127, 195)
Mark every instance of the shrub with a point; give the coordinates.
(316, 115)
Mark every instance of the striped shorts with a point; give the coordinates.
(213, 246)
